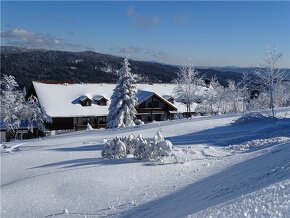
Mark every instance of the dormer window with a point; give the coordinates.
(85, 101)
(100, 100)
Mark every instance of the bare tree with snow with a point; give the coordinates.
(12, 102)
(35, 114)
(214, 95)
(271, 76)
(187, 85)
(15, 109)
(243, 87)
(122, 110)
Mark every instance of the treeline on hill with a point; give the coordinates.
(47, 65)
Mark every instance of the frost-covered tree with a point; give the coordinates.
(271, 77)
(34, 114)
(14, 108)
(243, 89)
(213, 96)
(187, 85)
(233, 96)
(122, 110)
(12, 102)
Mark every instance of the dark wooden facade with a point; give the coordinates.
(154, 108)
(76, 123)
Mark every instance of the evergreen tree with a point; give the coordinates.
(122, 110)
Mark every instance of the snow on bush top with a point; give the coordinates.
(156, 148)
(252, 118)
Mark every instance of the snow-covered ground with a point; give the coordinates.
(230, 170)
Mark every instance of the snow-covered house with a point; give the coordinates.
(74, 105)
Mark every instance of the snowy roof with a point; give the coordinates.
(83, 97)
(167, 96)
(99, 97)
(143, 95)
(62, 100)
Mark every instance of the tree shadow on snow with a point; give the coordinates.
(240, 179)
(234, 134)
(88, 162)
(96, 147)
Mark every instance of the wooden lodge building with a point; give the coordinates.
(73, 105)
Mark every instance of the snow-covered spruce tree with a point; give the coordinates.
(271, 77)
(122, 110)
(187, 85)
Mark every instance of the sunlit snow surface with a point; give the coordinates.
(224, 170)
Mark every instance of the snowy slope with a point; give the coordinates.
(231, 170)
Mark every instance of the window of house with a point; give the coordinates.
(102, 120)
(86, 102)
(86, 120)
(102, 102)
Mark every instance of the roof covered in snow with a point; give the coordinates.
(62, 100)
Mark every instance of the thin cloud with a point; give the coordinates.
(129, 50)
(181, 20)
(140, 20)
(133, 50)
(22, 37)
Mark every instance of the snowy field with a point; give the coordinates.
(224, 170)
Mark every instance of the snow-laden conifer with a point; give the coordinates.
(122, 110)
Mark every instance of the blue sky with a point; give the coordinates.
(210, 33)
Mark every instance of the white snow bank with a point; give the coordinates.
(257, 143)
(272, 201)
(252, 118)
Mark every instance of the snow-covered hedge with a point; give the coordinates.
(156, 148)
(251, 118)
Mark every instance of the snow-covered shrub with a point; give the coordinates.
(251, 118)
(119, 147)
(156, 148)
(139, 122)
(114, 149)
(89, 127)
(152, 148)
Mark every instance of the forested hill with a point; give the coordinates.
(48, 65)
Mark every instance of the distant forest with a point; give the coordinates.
(28, 65)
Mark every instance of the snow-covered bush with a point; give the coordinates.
(119, 147)
(156, 148)
(114, 149)
(252, 117)
(89, 127)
